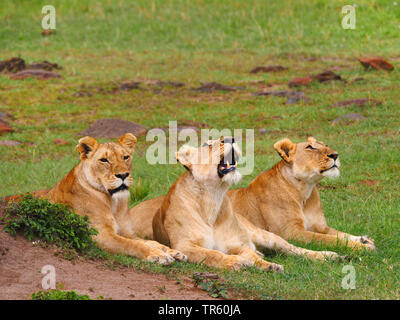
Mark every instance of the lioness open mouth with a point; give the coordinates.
(122, 187)
(227, 164)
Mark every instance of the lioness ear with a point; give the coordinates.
(286, 149)
(311, 140)
(86, 146)
(128, 140)
(184, 156)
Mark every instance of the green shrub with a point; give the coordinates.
(59, 295)
(53, 223)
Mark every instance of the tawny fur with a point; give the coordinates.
(285, 201)
(196, 217)
(86, 189)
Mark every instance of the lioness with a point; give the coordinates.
(285, 200)
(98, 187)
(196, 216)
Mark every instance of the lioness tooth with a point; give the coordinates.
(228, 165)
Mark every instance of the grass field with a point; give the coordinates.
(100, 43)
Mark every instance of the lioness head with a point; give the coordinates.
(215, 161)
(108, 166)
(311, 160)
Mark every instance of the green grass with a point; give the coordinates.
(103, 42)
(58, 295)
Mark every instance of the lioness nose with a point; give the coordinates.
(333, 156)
(122, 175)
(229, 140)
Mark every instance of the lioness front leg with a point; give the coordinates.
(269, 240)
(211, 257)
(254, 259)
(309, 236)
(179, 256)
(366, 241)
(109, 240)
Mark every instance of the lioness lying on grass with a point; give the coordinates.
(285, 200)
(98, 187)
(196, 216)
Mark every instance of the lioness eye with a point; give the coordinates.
(126, 157)
(310, 147)
(103, 160)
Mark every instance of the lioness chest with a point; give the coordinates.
(218, 225)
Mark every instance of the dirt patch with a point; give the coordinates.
(368, 182)
(44, 65)
(298, 82)
(327, 76)
(174, 84)
(375, 63)
(113, 128)
(16, 64)
(21, 263)
(357, 102)
(12, 65)
(47, 32)
(60, 142)
(35, 73)
(266, 69)
(109, 88)
(5, 127)
(321, 77)
(214, 86)
(348, 118)
(292, 96)
(186, 124)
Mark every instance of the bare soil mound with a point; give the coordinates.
(21, 263)
(113, 128)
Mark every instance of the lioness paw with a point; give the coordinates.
(368, 242)
(276, 268)
(178, 256)
(162, 258)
